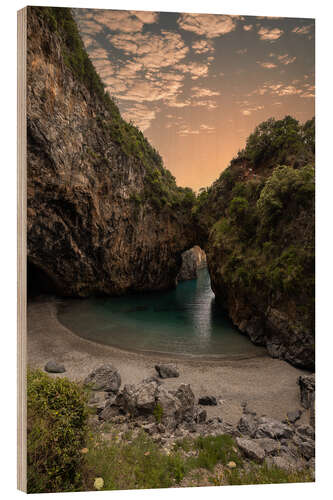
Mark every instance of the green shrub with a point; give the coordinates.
(57, 431)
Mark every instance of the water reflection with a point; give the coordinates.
(184, 320)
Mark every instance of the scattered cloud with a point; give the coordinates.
(241, 51)
(202, 92)
(266, 64)
(251, 109)
(286, 59)
(208, 25)
(270, 34)
(202, 46)
(207, 128)
(153, 51)
(302, 30)
(140, 115)
(194, 69)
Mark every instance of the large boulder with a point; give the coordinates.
(170, 406)
(167, 370)
(251, 449)
(269, 427)
(186, 397)
(53, 366)
(104, 378)
(247, 424)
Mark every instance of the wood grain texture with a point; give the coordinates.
(21, 251)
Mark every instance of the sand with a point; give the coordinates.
(268, 385)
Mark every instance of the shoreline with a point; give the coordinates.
(269, 385)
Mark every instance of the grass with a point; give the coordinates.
(65, 454)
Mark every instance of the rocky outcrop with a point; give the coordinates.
(168, 415)
(104, 378)
(103, 215)
(167, 370)
(256, 225)
(192, 260)
(307, 387)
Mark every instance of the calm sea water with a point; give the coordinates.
(182, 321)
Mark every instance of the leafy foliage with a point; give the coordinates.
(275, 142)
(57, 431)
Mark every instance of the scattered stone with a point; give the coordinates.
(247, 424)
(247, 410)
(207, 401)
(104, 378)
(98, 483)
(251, 449)
(167, 371)
(293, 416)
(231, 465)
(282, 462)
(53, 366)
(306, 430)
(269, 427)
(305, 446)
(108, 413)
(152, 379)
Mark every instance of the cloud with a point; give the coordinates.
(247, 27)
(270, 34)
(153, 51)
(188, 131)
(251, 109)
(302, 30)
(207, 128)
(196, 70)
(96, 20)
(267, 65)
(140, 115)
(202, 92)
(207, 103)
(286, 59)
(146, 17)
(202, 46)
(241, 51)
(208, 25)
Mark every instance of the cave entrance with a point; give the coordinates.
(38, 281)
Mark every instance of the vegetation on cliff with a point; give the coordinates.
(259, 221)
(160, 185)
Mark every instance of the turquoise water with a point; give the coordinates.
(183, 321)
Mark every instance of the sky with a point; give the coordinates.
(198, 84)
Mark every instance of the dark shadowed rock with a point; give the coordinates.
(307, 390)
(167, 370)
(104, 378)
(293, 416)
(251, 449)
(207, 401)
(53, 366)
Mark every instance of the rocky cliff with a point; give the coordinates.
(104, 215)
(192, 260)
(257, 228)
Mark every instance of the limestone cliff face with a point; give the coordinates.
(257, 228)
(192, 260)
(96, 225)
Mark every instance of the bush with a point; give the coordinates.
(57, 431)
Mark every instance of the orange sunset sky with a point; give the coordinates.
(198, 84)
